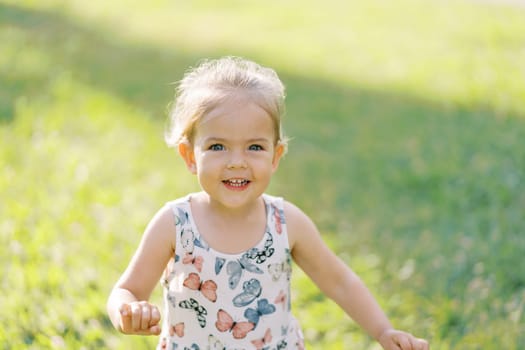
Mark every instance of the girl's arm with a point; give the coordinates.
(341, 284)
(128, 306)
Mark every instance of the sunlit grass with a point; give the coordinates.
(459, 52)
(407, 125)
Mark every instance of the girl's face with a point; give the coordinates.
(233, 153)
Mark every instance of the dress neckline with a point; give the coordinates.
(260, 242)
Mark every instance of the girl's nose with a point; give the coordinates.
(236, 161)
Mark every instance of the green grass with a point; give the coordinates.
(407, 123)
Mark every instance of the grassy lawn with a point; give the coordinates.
(407, 123)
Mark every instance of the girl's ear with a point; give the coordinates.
(186, 152)
(277, 154)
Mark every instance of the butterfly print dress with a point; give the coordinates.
(224, 301)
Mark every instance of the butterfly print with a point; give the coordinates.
(193, 347)
(225, 323)
(201, 244)
(181, 218)
(282, 345)
(235, 269)
(169, 272)
(260, 256)
(278, 216)
(219, 263)
(300, 338)
(187, 239)
(263, 308)
(177, 329)
(207, 288)
(197, 261)
(163, 344)
(200, 310)
(171, 300)
(281, 299)
(259, 343)
(284, 330)
(276, 270)
(214, 343)
(251, 290)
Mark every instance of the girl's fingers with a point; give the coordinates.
(145, 317)
(404, 343)
(418, 344)
(136, 316)
(139, 318)
(125, 318)
(155, 316)
(398, 340)
(155, 330)
(421, 344)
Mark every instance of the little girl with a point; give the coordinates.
(224, 254)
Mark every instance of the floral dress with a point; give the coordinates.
(224, 301)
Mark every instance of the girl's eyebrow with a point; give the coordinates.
(222, 140)
(258, 140)
(214, 139)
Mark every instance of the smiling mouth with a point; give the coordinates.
(236, 183)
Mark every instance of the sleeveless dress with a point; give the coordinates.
(214, 300)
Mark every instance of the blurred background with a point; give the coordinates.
(407, 121)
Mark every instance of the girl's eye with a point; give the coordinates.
(216, 147)
(255, 148)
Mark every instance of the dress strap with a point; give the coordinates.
(276, 219)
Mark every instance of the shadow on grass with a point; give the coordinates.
(353, 150)
(393, 167)
(136, 74)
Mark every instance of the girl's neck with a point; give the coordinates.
(219, 212)
(227, 230)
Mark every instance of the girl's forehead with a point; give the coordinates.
(236, 112)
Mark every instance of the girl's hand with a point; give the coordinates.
(393, 339)
(140, 318)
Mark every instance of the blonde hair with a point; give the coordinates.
(213, 81)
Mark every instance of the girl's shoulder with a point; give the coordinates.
(180, 208)
(298, 223)
(294, 215)
(291, 212)
(181, 201)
